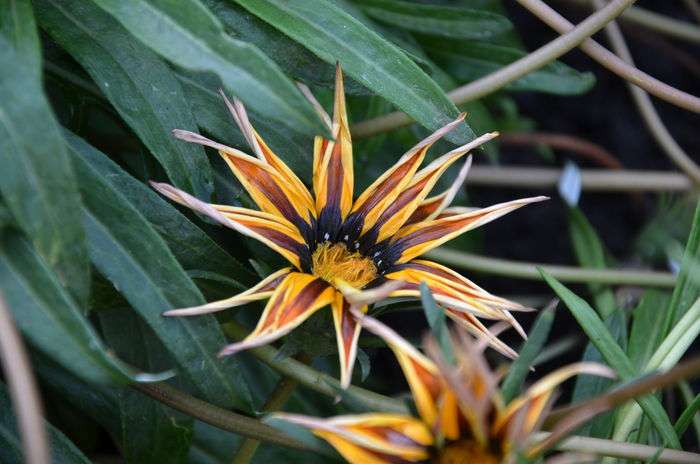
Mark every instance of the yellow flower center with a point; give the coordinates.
(465, 452)
(333, 261)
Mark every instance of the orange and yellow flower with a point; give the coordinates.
(462, 416)
(336, 245)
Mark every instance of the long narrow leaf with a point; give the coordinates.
(527, 354)
(135, 80)
(455, 22)
(36, 179)
(193, 248)
(613, 354)
(148, 430)
(18, 26)
(130, 253)
(379, 65)
(190, 36)
(49, 319)
(590, 253)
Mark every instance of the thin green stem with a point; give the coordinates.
(313, 379)
(646, 108)
(526, 270)
(598, 180)
(216, 416)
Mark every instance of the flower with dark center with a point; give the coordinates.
(462, 417)
(337, 246)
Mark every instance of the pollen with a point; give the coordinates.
(333, 261)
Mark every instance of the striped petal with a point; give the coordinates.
(533, 403)
(454, 291)
(295, 299)
(373, 438)
(347, 332)
(333, 170)
(261, 291)
(416, 239)
(421, 373)
(479, 330)
(378, 196)
(273, 231)
(403, 207)
(264, 153)
(432, 207)
(271, 190)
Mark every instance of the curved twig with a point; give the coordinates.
(646, 107)
(572, 37)
(662, 24)
(23, 391)
(581, 147)
(610, 61)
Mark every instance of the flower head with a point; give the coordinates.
(462, 415)
(336, 245)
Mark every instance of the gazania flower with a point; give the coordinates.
(336, 245)
(462, 416)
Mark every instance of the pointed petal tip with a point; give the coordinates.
(228, 351)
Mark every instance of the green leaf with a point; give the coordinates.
(190, 36)
(193, 248)
(19, 28)
(63, 451)
(589, 386)
(149, 431)
(613, 355)
(526, 356)
(687, 289)
(36, 179)
(647, 323)
(689, 414)
(49, 319)
(590, 253)
(436, 320)
(440, 20)
(379, 65)
(142, 88)
(468, 61)
(130, 253)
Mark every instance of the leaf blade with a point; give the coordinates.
(334, 35)
(188, 35)
(128, 251)
(613, 354)
(142, 89)
(36, 179)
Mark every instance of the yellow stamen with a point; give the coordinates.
(333, 261)
(465, 452)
